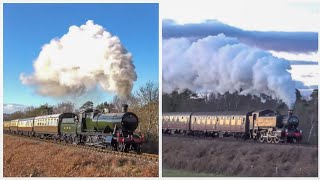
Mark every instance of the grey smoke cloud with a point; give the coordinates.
(223, 64)
(84, 58)
(294, 42)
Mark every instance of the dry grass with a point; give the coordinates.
(235, 158)
(24, 157)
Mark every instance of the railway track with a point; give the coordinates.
(144, 156)
(232, 139)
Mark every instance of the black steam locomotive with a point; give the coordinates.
(263, 125)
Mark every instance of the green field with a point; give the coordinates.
(183, 173)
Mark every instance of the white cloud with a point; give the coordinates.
(300, 56)
(267, 15)
(11, 108)
(308, 74)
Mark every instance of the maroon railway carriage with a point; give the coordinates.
(217, 123)
(176, 122)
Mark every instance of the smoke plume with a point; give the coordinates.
(222, 64)
(84, 58)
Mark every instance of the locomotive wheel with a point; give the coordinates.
(75, 139)
(70, 139)
(138, 148)
(261, 139)
(121, 147)
(66, 139)
(113, 146)
(89, 140)
(276, 139)
(269, 139)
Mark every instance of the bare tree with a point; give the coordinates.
(147, 94)
(145, 103)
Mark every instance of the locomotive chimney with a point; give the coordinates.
(124, 108)
(290, 112)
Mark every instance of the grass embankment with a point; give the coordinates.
(236, 158)
(25, 157)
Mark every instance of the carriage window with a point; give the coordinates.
(214, 121)
(239, 121)
(199, 121)
(233, 122)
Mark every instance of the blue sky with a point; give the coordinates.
(27, 27)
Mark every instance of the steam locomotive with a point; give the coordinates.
(263, 125)
(91, 127)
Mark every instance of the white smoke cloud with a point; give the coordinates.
(81, 60)
(222, 64)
